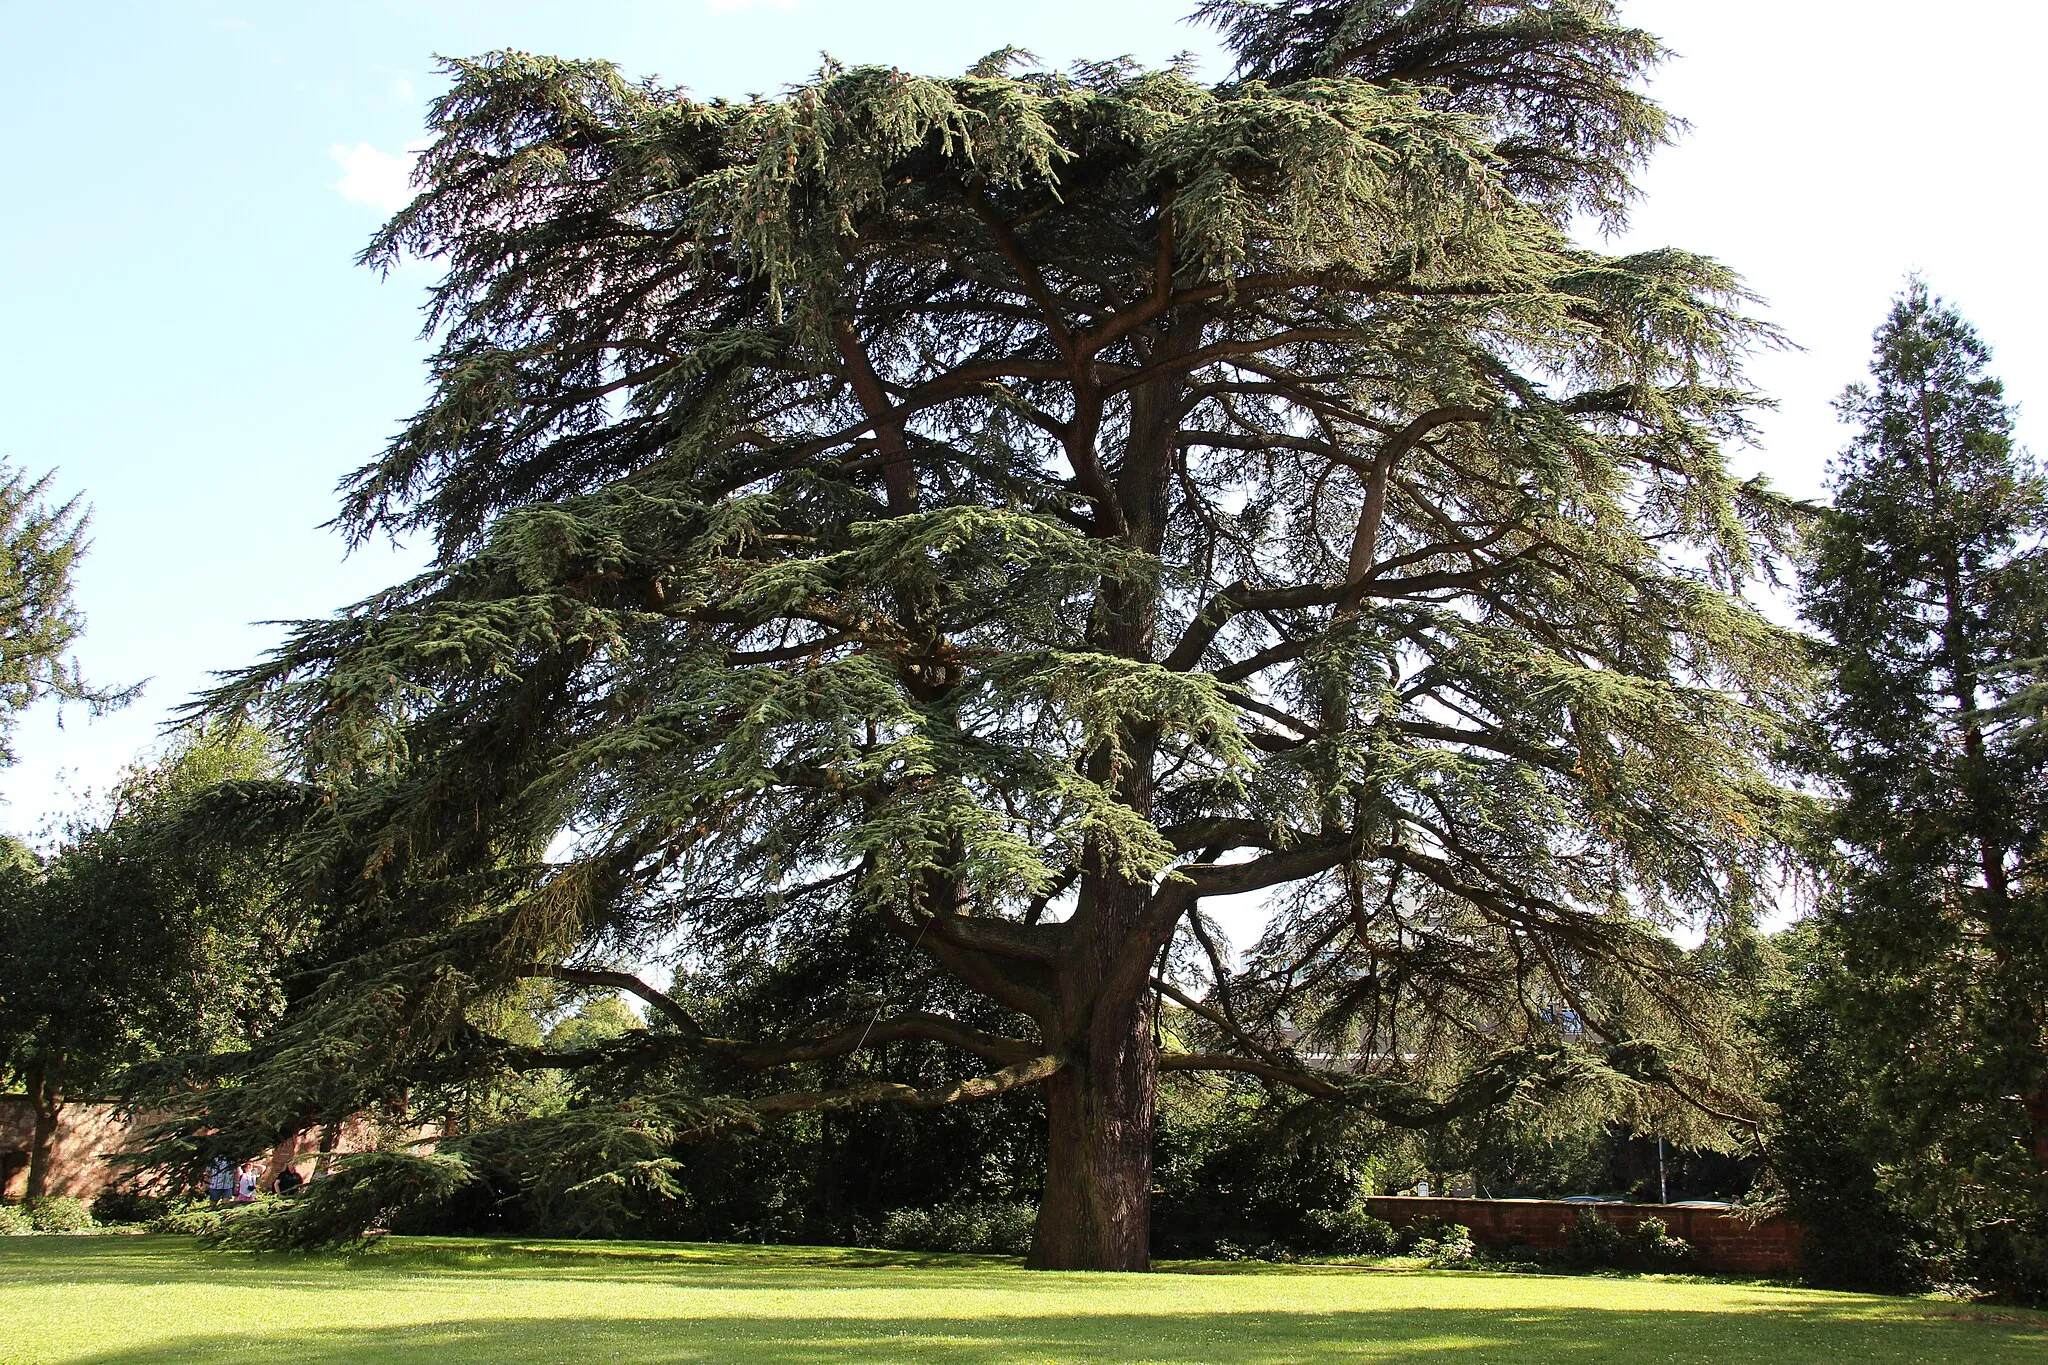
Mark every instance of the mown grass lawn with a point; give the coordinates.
(112, 1300)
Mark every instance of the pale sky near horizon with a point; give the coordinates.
(189, 343)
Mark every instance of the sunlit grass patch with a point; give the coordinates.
(121, 1301)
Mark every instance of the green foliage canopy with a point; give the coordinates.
(1014, 509)
(140, 937)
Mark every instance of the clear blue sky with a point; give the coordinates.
(188, 341)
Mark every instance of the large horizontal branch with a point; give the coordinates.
(756, 1055)
(1227, 350)
(1039, 943)
(1000, 969)
(1300, 1078)
(1490, 740)
(1221, 1020)
(1224, 833)
(1306, 859)
(1519, 1073)
(1242, 596)
(1028, 1072)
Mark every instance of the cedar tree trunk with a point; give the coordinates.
(1096, 1213)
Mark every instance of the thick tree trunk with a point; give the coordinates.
(47, 1103)
(1096, 1213)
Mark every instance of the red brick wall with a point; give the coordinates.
(87, 1134)
(1720, 1240)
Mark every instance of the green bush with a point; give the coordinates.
(986, 1227)
(2009, 1260)
(13, 1222)
(1652, 1247)
(1439, 1241)
(1590, 1240)
(60, 1213)
(1272, 1252)
(1324, 1232)
(117, 1205)
(1347, 1232)
(188, 1218)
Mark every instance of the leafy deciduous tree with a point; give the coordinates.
(134, 939)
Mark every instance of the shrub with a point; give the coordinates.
(1652, 1246)
(1271, 1252)
(1440, 1241)
(188, 1218)
(984, 1227)
(908, 1230)
(1424, 1231)
(1347, 1232)
(60, 1213)
(13, 1222)
(1522, 1256)
(1590, 1240)
(117, 1205)
(1010, 1227)
(2010, 1260)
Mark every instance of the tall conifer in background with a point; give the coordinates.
(1931, 582)
(40, 546)
(999, 514)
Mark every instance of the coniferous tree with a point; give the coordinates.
(40, 546)
(979, 520)
(1930, 581)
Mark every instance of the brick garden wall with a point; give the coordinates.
(1721, 1241)
(88, 1134)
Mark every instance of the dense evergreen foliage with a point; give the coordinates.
(1931, 582)
(1830, 1142)
(925, 537)
(40, 545)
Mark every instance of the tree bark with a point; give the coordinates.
(45, 1099)
(1096, 1213)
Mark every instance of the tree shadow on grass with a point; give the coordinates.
(157, 1260)
(1447, 1336)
